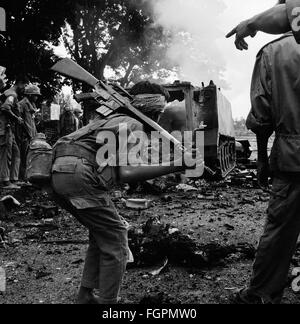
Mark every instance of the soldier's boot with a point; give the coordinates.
(7, 185)
(244, 297)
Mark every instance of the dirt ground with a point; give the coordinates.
(42, 272)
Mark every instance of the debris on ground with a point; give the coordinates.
(240, 177)
(186, 188)
(160, 269)
(159, 299)
(45, 211)
(155, 241)
(138, 204)
(189, 247)
(7, 204)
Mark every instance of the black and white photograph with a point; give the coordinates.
(149, 155)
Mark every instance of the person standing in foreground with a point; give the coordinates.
(275, 97)
(279, 19)
(27, 108)
(81, 186)
(9, 121)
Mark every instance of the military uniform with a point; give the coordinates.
(27, 132)
(81, 187)
(275, 96)
(9, 151)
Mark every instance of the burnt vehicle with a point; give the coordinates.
(190, 107)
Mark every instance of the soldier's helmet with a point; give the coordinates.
(33, 90)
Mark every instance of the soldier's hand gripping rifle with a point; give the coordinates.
(110, 100)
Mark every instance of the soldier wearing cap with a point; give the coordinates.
(28, 131)
(9, 121)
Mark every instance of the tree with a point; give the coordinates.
(119, 34)
(24, 47)
(97, 33)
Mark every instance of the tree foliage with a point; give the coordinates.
(31, 25)
(119, 34)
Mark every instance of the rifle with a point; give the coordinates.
(109, 99)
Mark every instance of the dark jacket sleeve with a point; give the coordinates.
(293, 12)
(260, 116)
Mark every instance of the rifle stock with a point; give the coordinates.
(69, 68)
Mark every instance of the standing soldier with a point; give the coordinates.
(9, 120)
(82, 185)
(275, 96)
(28, 108)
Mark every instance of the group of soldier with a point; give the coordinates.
(19, 125)
(275, 96)
(17, 129)
(81, 185)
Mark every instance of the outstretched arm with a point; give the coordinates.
(260, 119)
(133, 174)
(272, 21)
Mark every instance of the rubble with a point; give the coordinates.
(45, 211)
(160, 269)
(154, 242)
(188, 247)
(138, 204)
(186, 188)
(7, 204)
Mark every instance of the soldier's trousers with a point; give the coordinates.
(78, 189)
(24, 146)
(278, 243)
(9, 158)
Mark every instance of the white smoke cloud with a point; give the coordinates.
(194, 26)
(201, 50)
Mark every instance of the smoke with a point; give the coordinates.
(193, 25)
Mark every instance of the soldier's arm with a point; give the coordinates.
(7, 107)
(272, 21)
(133, 174)
(141, 171)
(260, 119)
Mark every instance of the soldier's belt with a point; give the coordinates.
(75, 150)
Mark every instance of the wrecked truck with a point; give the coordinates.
(189, 107)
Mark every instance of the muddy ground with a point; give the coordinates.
(221, 214)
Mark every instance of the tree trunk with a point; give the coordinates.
(125, 80)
